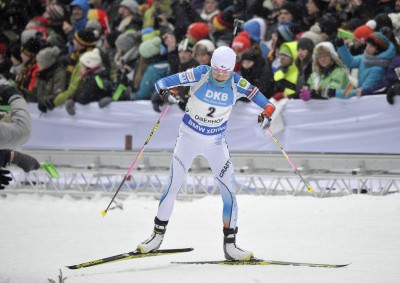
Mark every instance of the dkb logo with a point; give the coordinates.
(216, 95)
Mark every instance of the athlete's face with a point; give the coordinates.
(220, 76)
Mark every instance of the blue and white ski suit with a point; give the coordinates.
(202, 132)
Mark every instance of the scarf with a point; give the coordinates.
(372, 60)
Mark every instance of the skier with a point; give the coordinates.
(213, 92)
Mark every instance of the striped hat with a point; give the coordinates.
(55, 12)
(86, 38)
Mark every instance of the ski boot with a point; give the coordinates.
(156, 238)
(231, 250)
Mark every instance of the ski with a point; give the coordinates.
(262, 262)
(128, 255)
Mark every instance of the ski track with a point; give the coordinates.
(40, 235)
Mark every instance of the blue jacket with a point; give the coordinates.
(368, 76)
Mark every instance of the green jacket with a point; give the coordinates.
(337, 79)
(75, 83)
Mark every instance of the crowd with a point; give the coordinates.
(59, 53)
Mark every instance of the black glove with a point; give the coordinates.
(5, 155)
(338, 42)
(46, 103)
(25, 161)
(168, 97)
(6, 92)
(5, 179)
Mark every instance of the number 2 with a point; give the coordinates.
(210, 114)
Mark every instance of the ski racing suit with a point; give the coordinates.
(202, 132)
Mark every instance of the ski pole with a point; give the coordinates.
(309, 188)
(104, 212)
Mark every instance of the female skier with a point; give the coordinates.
(213, 92)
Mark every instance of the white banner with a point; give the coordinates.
(358, 125)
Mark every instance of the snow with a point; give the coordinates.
(40, 235)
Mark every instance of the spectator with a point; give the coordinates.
(15, 130)
(285, 79)
(80, 9)
(84, 40)
(240, 44)
(26, 79)
(157, 67)
(203, 51)
(305, 47)
(5, 62)
(197, 31)
(328, 73)
(209, 10)
(372, 64)
(256, 70)
(95, 84)
(130, 17)
(16, 60)
(256, 28)
(51, 76)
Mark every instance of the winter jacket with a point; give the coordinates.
(153, 72)
(18, 130)
(370, 73)
(51, 82)
(74, 85)
(96, 84)
(285, 79)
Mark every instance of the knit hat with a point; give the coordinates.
(55, 12)
(101, 17)
(285, 50)
(250, 54)
(198, 30)
(219, 23)
(362, 32)
(241, 42)
(256, 29)
(95, 26)
(47, 57)
(328, 24)
(28, 34)
(131, 5)
(127, 40)
(91, 59)
(112, 37)
(305, 44)
(15, 51)
(378, 40)
(185, 45)
(285, 31)
(86, 37)
(56, 39)
(204, 46)
(31, 47)
(223, 59)
(150, 47)
(314, 34)
(294, 9)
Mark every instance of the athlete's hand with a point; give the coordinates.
(264, 119)
(168, 96)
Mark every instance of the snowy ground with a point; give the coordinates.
(40, 235)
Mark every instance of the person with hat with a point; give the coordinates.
(328, 72)
(372, 64)
(285, 78)
(84, 40)
(131, 19)
(197, 31)
(213, 93)
(240, 44)
(156, 67)
(26, 79)
(95, 82)
(51, 76)
(79, 12)
(202, 51)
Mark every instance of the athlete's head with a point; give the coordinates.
(222, 63)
